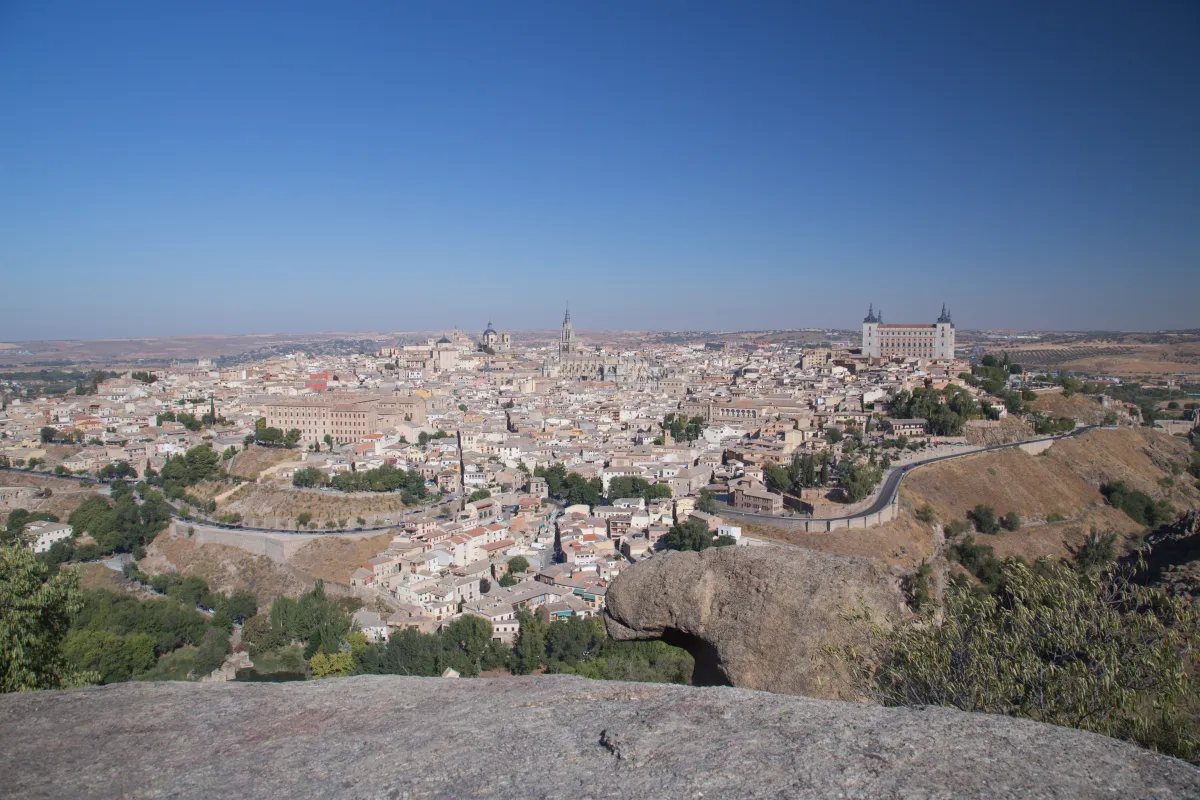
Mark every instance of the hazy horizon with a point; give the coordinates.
(184, 170)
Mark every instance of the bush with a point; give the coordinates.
(1138, 505)
(926, 514)
(1054, 516)
(978, 559)
(308, 478)
(1053, 645)
(1097, 552)
(916, 588)
(956, 528)
(1011, 521)
(984, 519)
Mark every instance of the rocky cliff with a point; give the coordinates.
(551, 737)
(755, 617)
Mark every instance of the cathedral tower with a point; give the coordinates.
(566, 342)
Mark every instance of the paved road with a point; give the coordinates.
(891, 484)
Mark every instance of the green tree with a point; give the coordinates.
(328, 441)
(479, 494)
(1011, 521)
(1098, 551)
(518, 564)
(707, 502)
(48, 434)
(308, 478)
(1056, 645)
(858, 481)
(530, 651)
(36, 607)
(691, 534)
(984, 519)
(211, 654)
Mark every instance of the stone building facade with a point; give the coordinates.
(932, 342)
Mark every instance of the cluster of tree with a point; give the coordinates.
(682, 427)
(200, 463)
(143, 377)
(381, 479)
(984, 519)
(424, 438)
(516, 566)
(1045, 425)
(580, 646)
(858, 480)
(805, 472)
(623, 486)
(124, 525)
(946, 410)
(1083, 647)
(991, 374)
(1140, 507)
(119, 637)
(465, 645)
(315, 620)
(273, 437)
(570, 487)
(118, 469)
(479, 494)
(693, 534)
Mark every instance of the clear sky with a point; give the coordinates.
(211, 167)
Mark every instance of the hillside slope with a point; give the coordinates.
(1065, 480)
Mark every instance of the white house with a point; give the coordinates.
(372, 624)
(733, 531)
(47, 533)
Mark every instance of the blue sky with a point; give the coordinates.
(175, 168)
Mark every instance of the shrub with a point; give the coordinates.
(1138, 505)
(978, 559)
(1097, 552)
(1054, 645)
(916, 587)
(926, 514)
(957, 527)
(1010, 521)
(1054, 516)
(984, 519)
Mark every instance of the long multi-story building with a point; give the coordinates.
(344, 418)
(934, 342)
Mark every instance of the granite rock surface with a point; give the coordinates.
(756, 617)
(542, 737)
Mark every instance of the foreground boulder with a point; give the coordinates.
(755, 617)
(549, 736)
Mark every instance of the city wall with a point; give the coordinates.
(276, 546)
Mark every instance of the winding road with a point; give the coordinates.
(890, 489)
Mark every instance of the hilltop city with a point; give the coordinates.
(572, 461)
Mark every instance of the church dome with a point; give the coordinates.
(443, 340)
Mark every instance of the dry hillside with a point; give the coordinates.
(66, 495)
(225, 568)
(333, 558)
(250, 463)
(1065, 480)
(266, 500)
(1077, 406)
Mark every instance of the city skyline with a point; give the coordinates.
(666, 166)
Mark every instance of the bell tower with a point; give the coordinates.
(566, 342)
